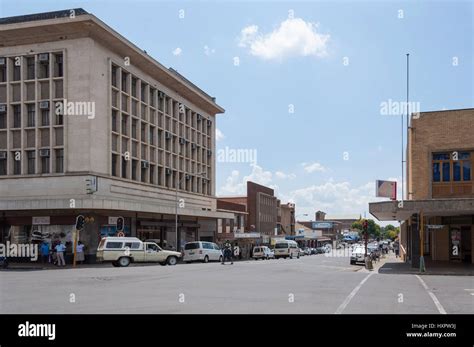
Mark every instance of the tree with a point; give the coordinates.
(373, 229)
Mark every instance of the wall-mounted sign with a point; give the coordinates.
(246, 235)
(322, 225)
(44, 220)
(113, 220)
(435, 226)
(386, 189)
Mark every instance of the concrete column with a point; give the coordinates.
(133, 226)
(415, 243)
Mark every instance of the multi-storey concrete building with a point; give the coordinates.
(438, 216)
(91, 124)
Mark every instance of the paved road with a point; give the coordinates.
(311, 284)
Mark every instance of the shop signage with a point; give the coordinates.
(113, 220)
(246, 235)
(45, 220)
(322, 225)
(386, 189)
(265, 238)
(434, 226)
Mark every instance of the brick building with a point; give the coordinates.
(438, 215)
(264, 212)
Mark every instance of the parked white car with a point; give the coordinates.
(121, 251)
(202, 251)
(357, 255)
(262, 252)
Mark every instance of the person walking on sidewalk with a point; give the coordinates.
(227, 253)
(396, 248)
(60, 249)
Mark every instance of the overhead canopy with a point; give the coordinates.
(396, 210)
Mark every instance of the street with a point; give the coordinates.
(314, 284)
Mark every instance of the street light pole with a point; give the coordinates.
(177, 185)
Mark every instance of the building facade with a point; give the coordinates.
(90, 124)
(438, 215)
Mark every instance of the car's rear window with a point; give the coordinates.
(132, 245)
(281, 245)
(257, 249)
(114, 245)
(193, 245)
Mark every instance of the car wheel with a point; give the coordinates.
(206, 259)
(220, 259)
(174, 260)
(352, 262)
(124, 261)
(298, 257)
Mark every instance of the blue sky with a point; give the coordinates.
(333, 62)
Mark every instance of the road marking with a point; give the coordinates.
(433, 297)
(352, 294)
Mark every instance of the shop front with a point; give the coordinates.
(440, 230)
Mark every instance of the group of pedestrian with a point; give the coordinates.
(55, 253)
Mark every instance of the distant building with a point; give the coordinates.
(330, 228)
(265, 215)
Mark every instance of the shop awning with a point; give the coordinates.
(396, 210)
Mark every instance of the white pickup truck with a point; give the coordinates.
(121, 251)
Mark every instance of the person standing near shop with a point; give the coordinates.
(80, 257)
(44, 250)
(60, 249)
(236, 251)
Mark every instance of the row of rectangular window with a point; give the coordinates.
(451, 167)
(36, 66)
(30, 112)
(31, 156)
(166, 177)
(32, 91)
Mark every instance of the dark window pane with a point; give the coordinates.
(441, 156)
(456, 171)
(464, 155)
(436, 172)
(446, 173)
(466, 170)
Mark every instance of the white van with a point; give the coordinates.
(286, 249)
(202, 251)
(121, 251)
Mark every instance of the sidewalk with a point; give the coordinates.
(395, 266)
(386, 259)
(440, 268)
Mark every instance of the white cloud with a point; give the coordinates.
(313, 167)
(208, 51)
(282, 175)
(177, 51)
(219, 135)
(293, 37)
(237, 185)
